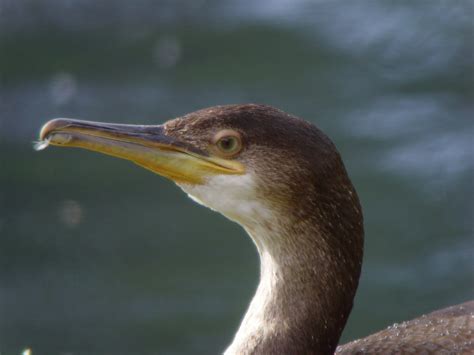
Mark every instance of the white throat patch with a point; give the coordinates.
(235, 196)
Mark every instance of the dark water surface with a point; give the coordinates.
(98, 256)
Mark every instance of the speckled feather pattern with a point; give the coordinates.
(449, 331)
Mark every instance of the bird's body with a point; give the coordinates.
(284, 182)
(447, 331)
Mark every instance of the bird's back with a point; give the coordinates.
(447, 331)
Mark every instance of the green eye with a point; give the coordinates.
(228, 142)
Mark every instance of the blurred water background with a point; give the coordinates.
(101, 257)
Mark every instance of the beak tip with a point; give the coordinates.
(52, 125)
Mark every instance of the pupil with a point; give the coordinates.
(227, 143)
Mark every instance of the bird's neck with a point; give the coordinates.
(307, 285)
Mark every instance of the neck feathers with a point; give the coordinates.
(310, 267)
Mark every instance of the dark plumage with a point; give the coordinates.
(447, 331)
(283, 180)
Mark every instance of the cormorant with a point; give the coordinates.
(284, 182)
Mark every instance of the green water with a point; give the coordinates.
(98, 256)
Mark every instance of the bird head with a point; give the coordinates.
(246, 161)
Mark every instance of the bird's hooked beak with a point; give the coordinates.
(147, 146)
